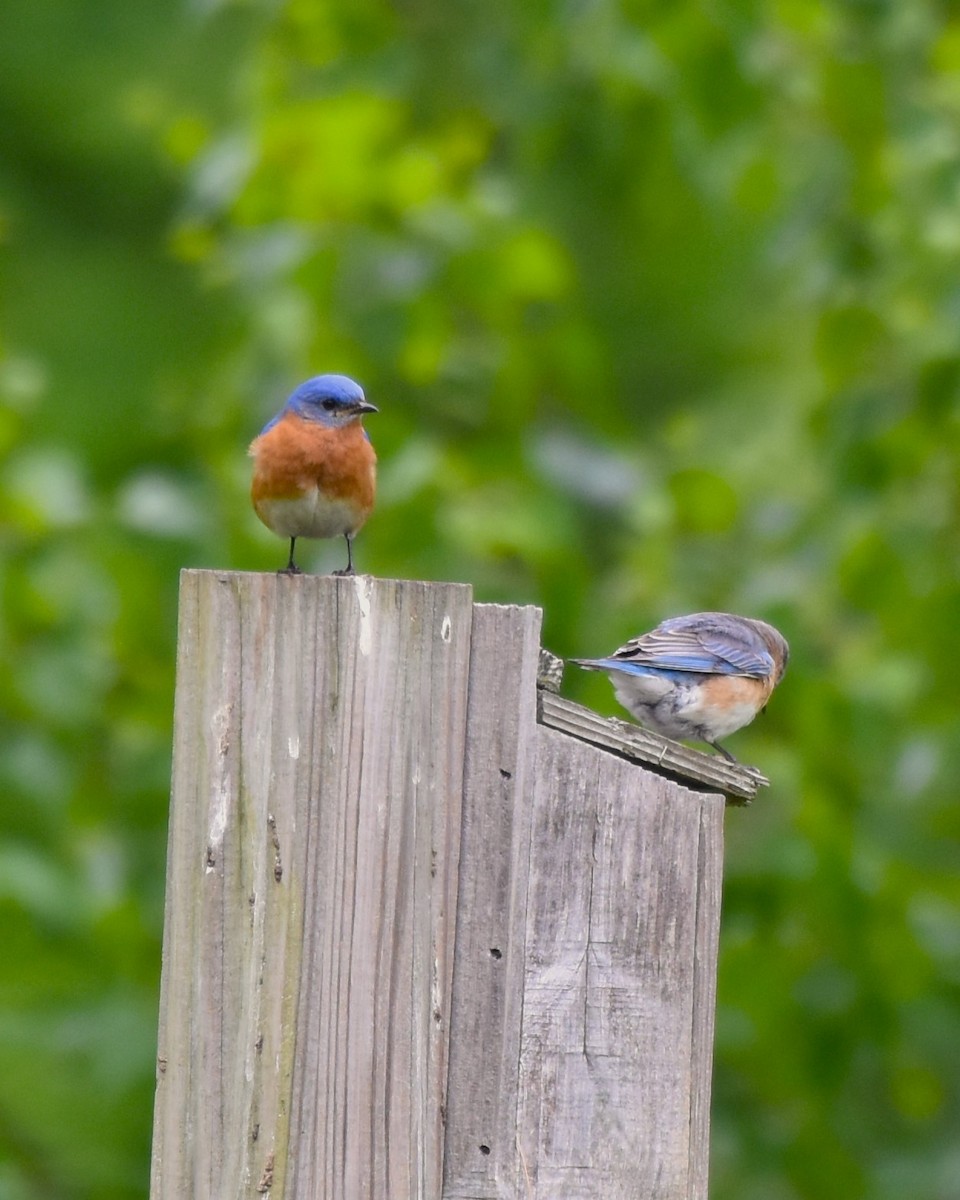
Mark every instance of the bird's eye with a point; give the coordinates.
(329, 405)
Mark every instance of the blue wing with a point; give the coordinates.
(707, 643)
(635, 668)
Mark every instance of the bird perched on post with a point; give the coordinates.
(701, 676)
(314, 469)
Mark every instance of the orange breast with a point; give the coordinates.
(297, 455)
(730, 691)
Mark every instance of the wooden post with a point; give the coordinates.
(418, 942)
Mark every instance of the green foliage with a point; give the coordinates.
(659, 304)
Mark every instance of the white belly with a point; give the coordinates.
(679, 710)
(310, 516)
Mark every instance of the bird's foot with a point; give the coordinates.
(725, 752)
(345, 571)
(290, 569)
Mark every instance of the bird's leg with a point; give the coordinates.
(726, 753)
(291, 568)
(348, 569)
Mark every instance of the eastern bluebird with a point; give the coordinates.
(701, 676)
(314, 469)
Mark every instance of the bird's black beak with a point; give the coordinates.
(364, 406)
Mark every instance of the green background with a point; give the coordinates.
(661, 306)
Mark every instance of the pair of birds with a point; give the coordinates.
(701, 676)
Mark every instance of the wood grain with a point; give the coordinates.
(622, 926)
(313, 848)
(499, 767)
(423, 937)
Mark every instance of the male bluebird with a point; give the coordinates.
(701, 676)
(314, 469)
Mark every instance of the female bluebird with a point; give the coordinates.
(314, 469)
(701, 676)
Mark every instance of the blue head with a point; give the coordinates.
(331, 400)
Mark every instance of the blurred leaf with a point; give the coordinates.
(705, 502)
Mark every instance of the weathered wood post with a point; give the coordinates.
(422, 939)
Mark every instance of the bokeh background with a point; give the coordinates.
(661, 304)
